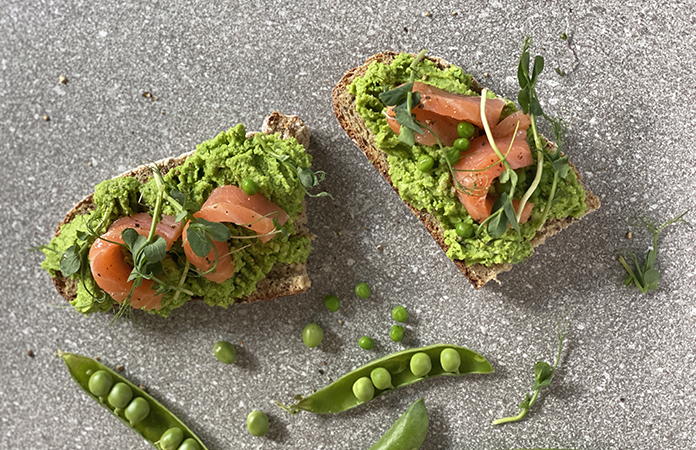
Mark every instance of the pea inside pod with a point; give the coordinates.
(339, 396)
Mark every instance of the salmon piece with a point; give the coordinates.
(479, 156)
(507, 126)
(110, 270)
(444, 127)
(231, 204)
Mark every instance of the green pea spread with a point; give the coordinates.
(434, 191)
(227, 159)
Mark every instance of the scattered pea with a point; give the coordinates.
(171, 439)
(189, 444)
(366, 342)
(257, 423)
(450, 360)
(465, 130)
(396, 333)
(121, 394)
(363, 290)
(420, 364)
(363, 389)
(137, 410)
(461, 144)
(250, 187)
(399, 314)
(100, 383)
(332, 302)
(425, 163)
(312, 335)
(465, 230)
(381, 378)
(225, 352)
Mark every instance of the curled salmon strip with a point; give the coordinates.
(231, 204)
(507, 126)
(111, 271)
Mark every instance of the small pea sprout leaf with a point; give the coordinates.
(70, 261)
(397, 95)
(542, 374)
(217, 231)
(560, 72)
(156, 251)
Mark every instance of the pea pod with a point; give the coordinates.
(339, 396)
(409, 430)
(152, 427)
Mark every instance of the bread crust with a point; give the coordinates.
(282, 280)
(354, 125)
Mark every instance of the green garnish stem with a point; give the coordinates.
(158, 204)
(412, 76)
(547, 209)
(489, 135)
(520, 415)
(533, 186)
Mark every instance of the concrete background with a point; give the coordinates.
(626, 380)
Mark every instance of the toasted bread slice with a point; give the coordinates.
(354, 126)
(282, 280)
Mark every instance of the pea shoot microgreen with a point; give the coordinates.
(543, 375)
(645, 276)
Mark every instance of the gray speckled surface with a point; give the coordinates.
(627, 376)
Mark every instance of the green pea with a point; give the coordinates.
(366, 342)
(453, 156)
(250, 187)
(461, 144)
(332, 303)
(465, 130)
(399, 314)
(363, 389)
(100, 383)
(362, 290)
(137, 410)
(421, 364)
(120, 395)
(450, 360)
(225, 352)
(425, 163)
(189, 444)
(171, 439)
(257, 423)
(464, 229)
(396, 333)
(381, 378)
(312, 335)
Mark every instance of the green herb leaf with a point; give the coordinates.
(407, 137)
(651, 277)
(559, 71)
(307, 177)
(397, 95)
(535, 106)
(70, 261)
(510, 214)
(199, 241)
(156, 251)
(523, 100)
(538, 67)
(405, 119)
(216, 230)
(524, 63)
(542, 371)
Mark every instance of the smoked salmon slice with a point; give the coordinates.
(111, 271)
(507, 126)
(480, 155)
(231, 204)
(444, 127)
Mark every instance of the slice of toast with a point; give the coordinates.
(282, 280)
(354, 126)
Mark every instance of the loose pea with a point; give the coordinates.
(453, 156)
(250, 187)
(366, 342)
(362, 290)
(421, 364)
(465, 230)
(190, 444)
(363, 389)
(461, 144)
(332, 303)
(381, 378)
(120, 395)
(312, 335)
(171, 439)
(137, 410)
(425, 163)
(225, 352)
(399, 314)
(257, 423)
(100, 383)
(396, 333)
(450, 360)
(465, 130)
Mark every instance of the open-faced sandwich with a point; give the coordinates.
(225, 224)
(469, 164)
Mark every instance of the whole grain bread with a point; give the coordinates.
(354, 126)
(282, 280)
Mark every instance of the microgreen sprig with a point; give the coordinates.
(543, 375)
(646, 277)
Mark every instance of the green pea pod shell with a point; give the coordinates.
(338, 396)
(159, 420)
(409, 430)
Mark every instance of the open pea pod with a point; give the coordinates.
(159, 419)
(338, 396)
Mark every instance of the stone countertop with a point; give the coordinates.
(627, 371)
